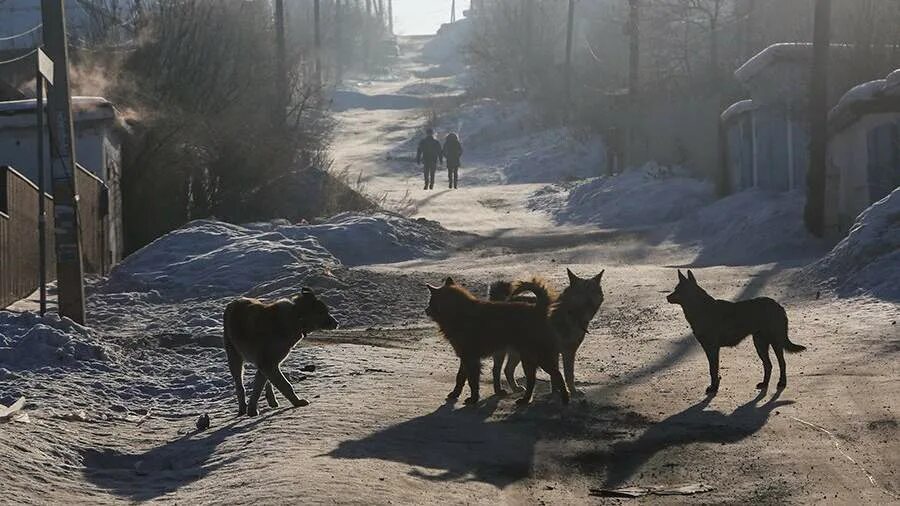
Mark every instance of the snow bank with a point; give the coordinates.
(357, 239)
(28, 341)
(207, 258)
(650, 195)
(867, 261)
(447, 48)
(749, 227)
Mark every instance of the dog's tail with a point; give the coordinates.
(791, 347)
(500, 291)
(544, 295)
(788, 345)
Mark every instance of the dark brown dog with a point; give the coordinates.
(264, 334)
(477, 328)
(570, 315)
(717, 323)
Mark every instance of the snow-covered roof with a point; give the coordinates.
(883, 94)
(736, 109)
(20, 113)
(781, 52)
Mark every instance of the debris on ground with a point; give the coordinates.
(14, 413)
(633, 492)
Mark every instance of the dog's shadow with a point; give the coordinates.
(453, 444)
(165, 468)
(695, 424)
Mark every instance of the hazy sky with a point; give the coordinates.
(418, 17)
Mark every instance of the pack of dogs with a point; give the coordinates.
(519, 322)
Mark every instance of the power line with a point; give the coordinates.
(26, 32)
(18, 58)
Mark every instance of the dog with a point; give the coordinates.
(264, 334)
(478, 328)
(570, 315)
(717, 323)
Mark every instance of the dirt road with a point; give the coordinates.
(379, 432)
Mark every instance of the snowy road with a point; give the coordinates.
(378, 430)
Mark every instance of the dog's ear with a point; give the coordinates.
(572, 277)
(599, 277)
(691, 277)
(681, 276)
(449, 281)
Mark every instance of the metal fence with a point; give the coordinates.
(19, 250)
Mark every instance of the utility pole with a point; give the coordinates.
(568, 76)
(814, 212)
(317, 14)
(391, 17)
(339, 36)
(281, 79)
(634, 61)
(634, 47)
(44, 74)
(69, 269)
(453, 11)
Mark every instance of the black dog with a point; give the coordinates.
(717, 323)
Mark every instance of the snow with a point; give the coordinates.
(29, 342)
(867, 261)
(447, 48)
(858, 94)
(208, 257)
(506, 143)
(736, 109)
(750, 227)
(650, 195)
(358, 239)
(771, 54)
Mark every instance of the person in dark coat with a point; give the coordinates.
(429, 154)
(453, 151)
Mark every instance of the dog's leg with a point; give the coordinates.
(473, 376)
(530, 372)
(510, 371)
(495, 371)
(782, 367)
(270, 395)
(259, 381)
(558, 384)
(568, 358)
(284, 386)
(762, 349)
(236, 365)
(460, 382)
(712, 355)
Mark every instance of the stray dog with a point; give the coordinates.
(570, 316)
(477, 328)
(717, 323)
(264, 334)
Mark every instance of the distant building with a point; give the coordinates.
(864, 151)
(766, 138)
(97, 150)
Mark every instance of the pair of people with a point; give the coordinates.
(430, 153)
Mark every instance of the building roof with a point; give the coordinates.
(776, 53)
(736, 109)
(20, 113)
(878, 96)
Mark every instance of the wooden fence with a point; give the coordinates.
(19, 250)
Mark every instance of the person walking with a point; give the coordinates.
(429, 154)
(453, 151)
